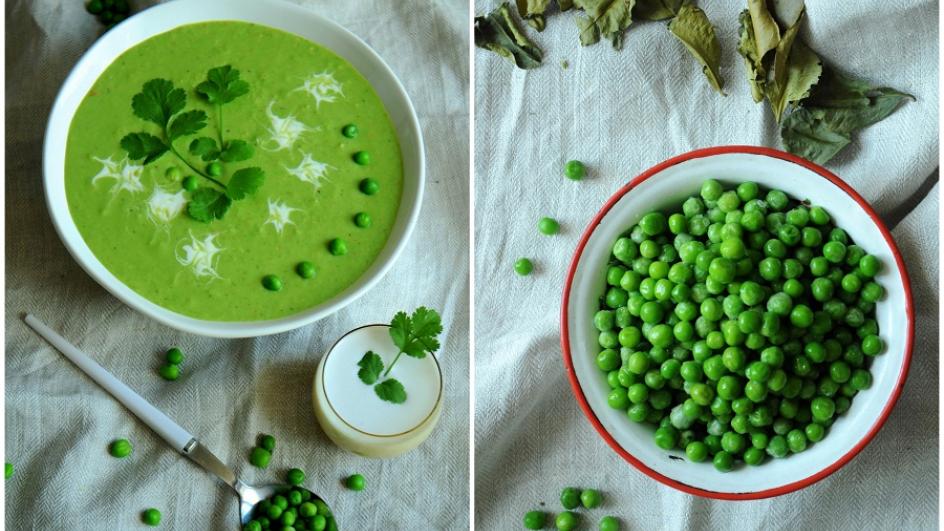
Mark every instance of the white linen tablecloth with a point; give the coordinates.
(620, 113)
(59, 423)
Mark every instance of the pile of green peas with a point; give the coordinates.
(740, 326)
(292, 509)
(108, 12)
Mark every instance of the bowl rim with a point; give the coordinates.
(61, 217)
(565, 335)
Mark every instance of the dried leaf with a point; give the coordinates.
(693, 28)
(795, 71)
(498, 32)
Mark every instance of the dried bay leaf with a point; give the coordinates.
(605, 18)
(656, 9)
(532, 12)
(692, 27)
(796, 69)
(499, 33)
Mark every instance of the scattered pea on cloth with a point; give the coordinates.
(151, 517)
(295, 476)
(259, 457)
(535, 520)
(175, 356)
(355, 482)
(120, 448)
(8, 470)
(739, 327)
(524, 267)
(574, 170)
(566, 521)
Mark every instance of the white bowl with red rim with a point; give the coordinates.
(665, 186)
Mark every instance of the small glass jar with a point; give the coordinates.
(352, 414)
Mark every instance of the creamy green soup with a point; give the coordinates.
(134, 216)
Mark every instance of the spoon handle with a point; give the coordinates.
(169, 430)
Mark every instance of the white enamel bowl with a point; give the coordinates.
(666, 185)
(275, 14)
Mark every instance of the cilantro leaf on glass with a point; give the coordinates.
(391, 390)
(371, 366)
(400, 329)
(158, 101)
(143, 146)
(222, 85)
(207, 204)
(245, 182)
(205, 148)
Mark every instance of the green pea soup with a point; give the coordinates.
(133, 216)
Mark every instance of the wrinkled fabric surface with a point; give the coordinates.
(59, 423)
(620, 113)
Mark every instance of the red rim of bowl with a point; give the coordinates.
(783, 489)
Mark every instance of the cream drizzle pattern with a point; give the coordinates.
(310, 171)
(127, 176)
(200, 255)
(323, 87)
(284, 132)
(163, 206)
(279, 215)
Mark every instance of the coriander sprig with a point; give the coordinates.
(162, 103)
(415, 336)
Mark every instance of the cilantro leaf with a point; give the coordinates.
(426, 326)
(245, 182)
(236, 151)
(400, 328)
(187, 123)
(391, 390)
(222, 85)
(143, 146)
(205, 148)
(371, 366)
(207, 204)
(158, 101)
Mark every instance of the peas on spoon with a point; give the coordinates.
(180, 439)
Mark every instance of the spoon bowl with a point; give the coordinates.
(250, 496)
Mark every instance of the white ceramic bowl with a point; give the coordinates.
(666, 185)
(275, 14)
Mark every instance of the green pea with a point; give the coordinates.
(307, 510)
(349, 131)
(574, 170)
(8, 470)
(267, 442)
(566, 521)
(94, 7)
(169, 372)
(319, 523)
(305, 269)
(355, 482)
(272, 283)
(151, 517)
(368, 186)
(570, 498)
(259, 457)
(120, 448)
(337, 247)
(549, 226)
(362, 220)
(534, 520)
(723, 461)
(175, 356)
(524, 267)
(214, 169)
(591, 498)
(295, 476)
(173, 173)
(189, 183)
(609, 523)
(362, 158)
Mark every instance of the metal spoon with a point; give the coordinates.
(179, 438)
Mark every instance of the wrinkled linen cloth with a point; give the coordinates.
(620, 113)
(59, 423)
